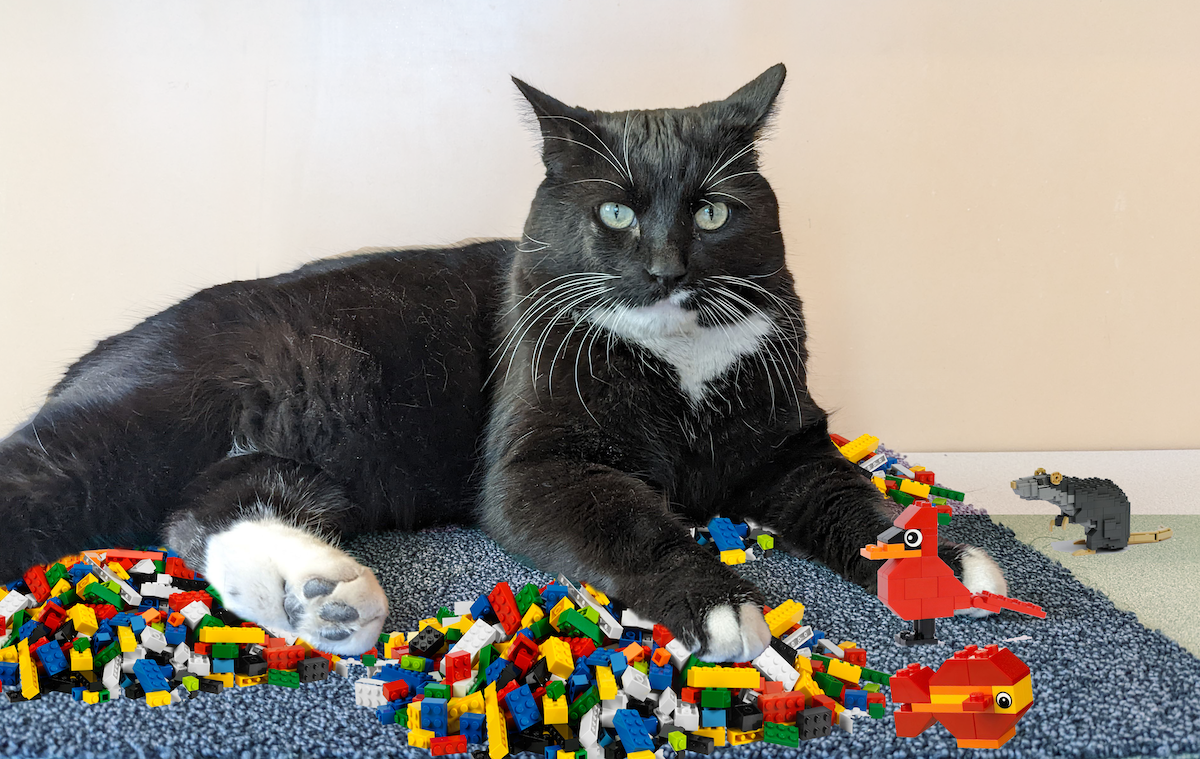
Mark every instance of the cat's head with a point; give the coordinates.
(661, 205)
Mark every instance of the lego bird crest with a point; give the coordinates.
(917, 585)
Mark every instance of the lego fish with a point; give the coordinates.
(979, 694)
(917, 585)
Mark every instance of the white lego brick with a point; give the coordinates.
(460, 687)
(144, 567)
(462, 608)
(153, 640)
(15, 602)
(589, 729)
(805, 652)
(162, 578)
(480, 634)
(124, 589)
(199, 665)
(111, 675)
(667, 702)
(607, 623)
(158, 590)
(831, 647)
(775, 667)
(609, 709)
(181, 654)
(128, 658)
(194, 612)
(687, 716)
(903, 471)
(448, 621)
(801, 635)
(679, 653)
(630, 618)
(341, 668)
(846, 718)
(751, 555)
(369, 693)
(636, 684)
(871, 463)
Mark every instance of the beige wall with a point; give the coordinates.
(993, 208)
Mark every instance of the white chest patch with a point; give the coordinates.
(699, 354)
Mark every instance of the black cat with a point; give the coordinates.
(635, 364)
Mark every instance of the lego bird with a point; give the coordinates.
(979, 694)
(917, 585)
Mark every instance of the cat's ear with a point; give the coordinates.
(752, 104)
(560, 124)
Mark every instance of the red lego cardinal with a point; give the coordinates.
(917, 585)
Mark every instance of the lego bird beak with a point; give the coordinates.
(880, 551)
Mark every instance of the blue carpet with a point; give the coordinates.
(1104, 686)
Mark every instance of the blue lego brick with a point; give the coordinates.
(77, 693)
(577, 683)
(150, 676)
(599, 657)
(618, 663)
(651, 724)
(553, 594)
(632, 731)
(435, 716)
(77, 572)
(551, 752)
(605, 738)
(481, 607)
(492, 673)
(854, 697)
(712, 718)
(522, 707)
(10, 673)
(660, 677)
(416, 680)
(472, 726)
(724, 534)
(630, 635)
(137, 624)
(24, 630)
(101, 640)
(742, 528)
(175, 634)
(222, 666)
(386, 714)
(120, 619)
(52, 658)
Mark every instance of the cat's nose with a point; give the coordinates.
(667, 273)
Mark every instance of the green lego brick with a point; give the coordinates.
(160, 566)
(207, 620)
(283, 677)
(555, 689)
(453, 635)
(442, 613)
(832, 686)
(82, 643)
(480, 681)
(766, 542)
(874, 676)
(528, 596)
(369, 660)
(904, 499)
(677, 740)
(781, 734)
(876, 711)
(823, 659)
(953, 495)
(437, 690)
(109, 653)
(216, 596)
(541, 629)
(192, 683)
(104, 697)
(872, 687)
(55, 573)
(944, 519)
(487, 655)
(592, 615)
(584, 703)
(402, 718)
(575, 623)
(642, 666)
(412, 663)
(225, 650)
(101, 594)
(715, 698)
(68, 598)
(937, 500)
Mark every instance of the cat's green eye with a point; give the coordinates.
(712, 216)
(617, 216)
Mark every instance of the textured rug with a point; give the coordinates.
(1104, 686)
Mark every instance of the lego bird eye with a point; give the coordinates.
(912, 538)
(1003, 700)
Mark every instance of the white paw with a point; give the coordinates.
(288, 580)
(735, 634)
(980, 573)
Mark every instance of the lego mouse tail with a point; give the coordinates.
(994, 603)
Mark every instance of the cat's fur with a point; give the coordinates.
(587, 392)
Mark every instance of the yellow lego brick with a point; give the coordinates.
(918, 489)
(462, 624)
(245, 681)
(127, 639)
(454, 710)
(91, 697)
(497, 727)
(641, 755)
(554, 709)
(8, 655)
(532, 614)
(860, 447)
(879, 483)
(558, 657)
(599, 595)
(420, 738)
(803, 665)
(916, 469)
(87, 580)
(565, 755)
(60, 587)
(606, 683)
(806, 684)
(233, 635)
(81, 661)
(473, 703)
(716, 733)
(564, 730)
(847, 644)
(733, 556)
(29, 678)
(431, 622)
(563, 604)
(414, 715)
(783, 616)
(158, 698)
(843, 671)
(742, 737)
(118, 570)
(3, 593)
(722, 677)
(224, 678)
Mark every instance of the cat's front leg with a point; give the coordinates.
(597, 524)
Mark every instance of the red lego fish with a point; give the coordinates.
(979, 694)
(917, 585)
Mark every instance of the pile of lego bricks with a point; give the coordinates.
(551, 670)
(136, 624)
(896, 481)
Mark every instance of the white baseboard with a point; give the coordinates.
(1157, 482)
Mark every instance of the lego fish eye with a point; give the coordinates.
(1003, 700)
(912, 538)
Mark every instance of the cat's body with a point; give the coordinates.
(635, 363)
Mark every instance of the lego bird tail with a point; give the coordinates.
(994, 603)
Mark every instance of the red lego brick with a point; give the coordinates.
(838, 440)
(691, 695)
(522, 653)
(856, 656)
(925, 478)
(781, 707)
(449, 744)
(176, 568)
(102, 611)
(911, 685)
(179, 600)
(822, 700)
(287, 657)
(910, 724)
(504, 604)
(458, 666)
(921, 587)
(772, 686)
(200, 647)
(395, 689)
(35, 578)
(662, 636)
(581, 648)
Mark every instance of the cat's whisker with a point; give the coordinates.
(729, 310)
(767, 345)
(539, 242)
(714, 169)
(578, 321)
(614, 160)
(727, 178)
(606, 181)
(625, 150)
(733, 197)
(540, 343)
(753, 144)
